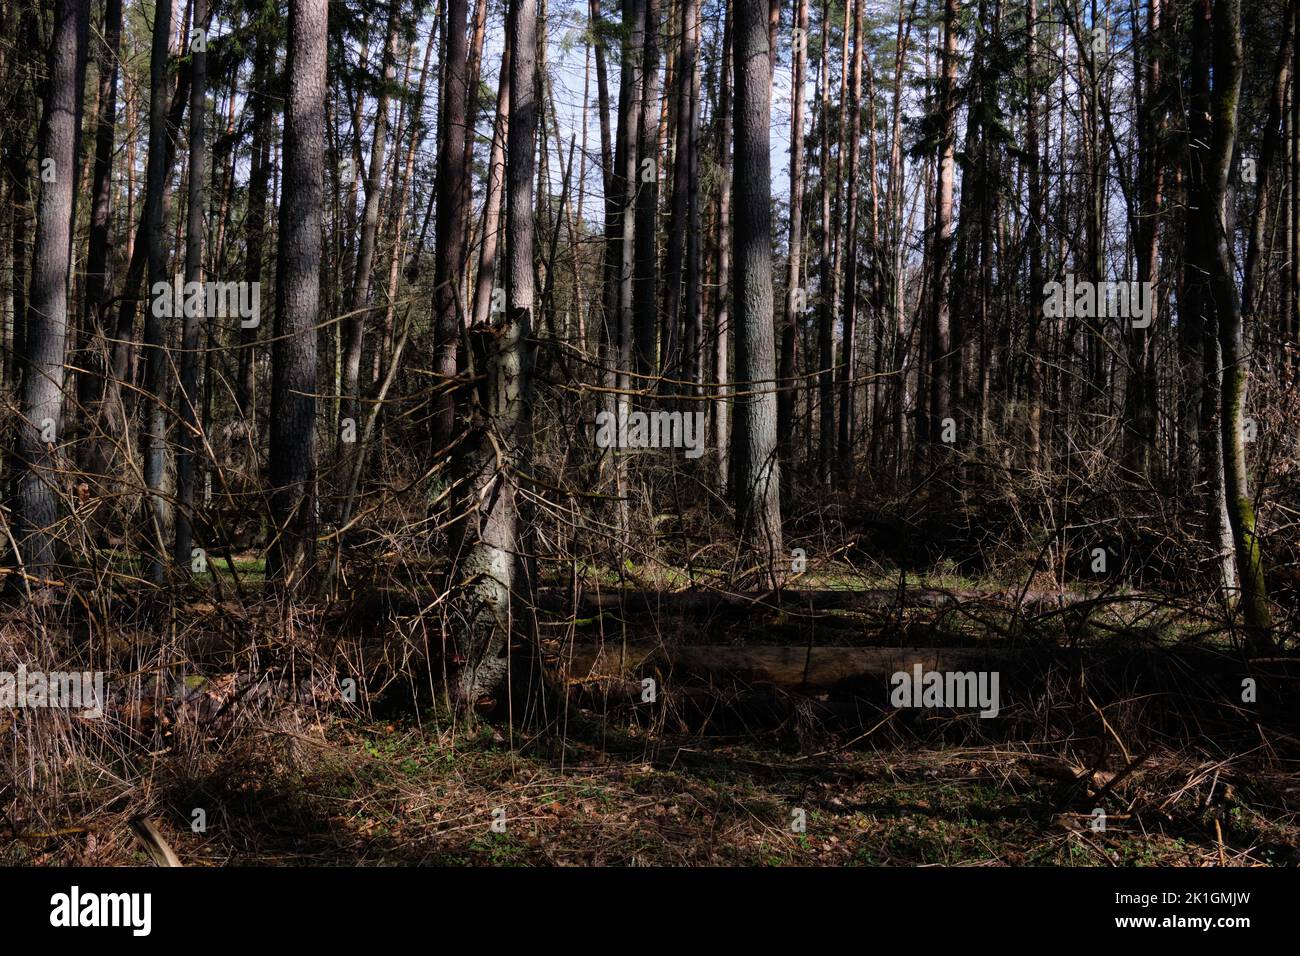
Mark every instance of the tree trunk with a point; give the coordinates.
(1253, 270)
(940, 260)
(645, 281)
(679, 234)
(848, 349)
(487, 261)
(795, 296)
(758, 492)
(692, 320)
(1037, 213)
(826, 280)
(721, 316)
(602, 92)
(43, 358)
(90, 383)
(157, 172)
(1236, 492)
(1140, 396)
(450, 225)
(499, 422)
(620, 263)
(259, 177)
(297, 293)
(1201, 350)
(359, 299)
(195, 236)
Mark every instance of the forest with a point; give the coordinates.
(650, 432)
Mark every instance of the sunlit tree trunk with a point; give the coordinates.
(499, 420)
(645, 277)
(293, 359)
(795, 297)
(359, 296)
(940, 359)
(1236, 490)
(848, 349)
(487, 261)
(757, 481)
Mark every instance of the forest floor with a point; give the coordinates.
(1184, 779)
(402, 793)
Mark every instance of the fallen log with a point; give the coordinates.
(803, 669)
(708, 708)
(716, 602)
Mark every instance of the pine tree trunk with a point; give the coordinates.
(757, 482)
(1037, 213)
(259, 177)
(297, 293)
(44, 355)
(487, 261)
(692, 319)
(940, 357)
(620, 261)
(157, 172)
(721, 314)
(848, 347)
(195, 237)
(359, 299)
(450, 225)
(795, 296)
(645, 279)
(1236, 490)
(826, 280)
(678, 220)
(90, 385)
(499, 423)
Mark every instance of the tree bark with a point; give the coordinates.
(195, 237)
(259, 177)
(1037, 214)
(826, 280)
(297, 294)
(679, 227)
(620, 234)
(157, 172)
(940, 260)
(450, 224)
(645, 278)
(848, 349)
(795, 295)
(1200, 347)
(359, 299)
(758, 491)
(90, 384)
(499, 423)
(1236, 491)
(487, 261)
(721, 315)
(44, 355)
